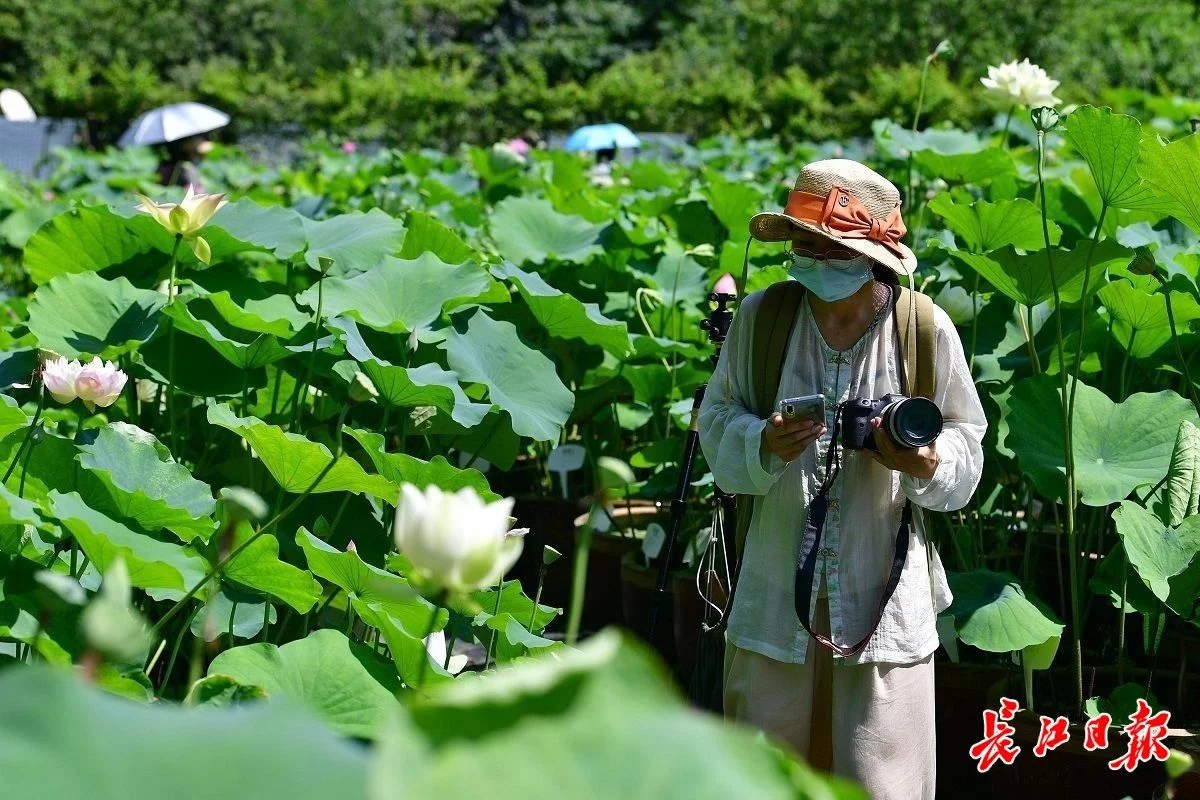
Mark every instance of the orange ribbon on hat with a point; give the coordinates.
(843, 215)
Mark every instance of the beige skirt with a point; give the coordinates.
(872, 723)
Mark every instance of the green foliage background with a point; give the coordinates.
(446, 71)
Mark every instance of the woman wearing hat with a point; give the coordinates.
(868, 715)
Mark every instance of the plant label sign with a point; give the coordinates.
(563, 459)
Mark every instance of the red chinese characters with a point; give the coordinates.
(997, 743)
(1146, 731)
(1053, 733)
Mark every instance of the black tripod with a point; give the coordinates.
(717, 326)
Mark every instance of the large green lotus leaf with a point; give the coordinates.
(295, 461)
(153, 564)
(354, 240)
(520, 380)
(426, 385)
(259, 567)
(1179, 497)
(402, 468)
(514, 601)
(244, 224)
(17, 365)
(1140, 321)
(528, 229)
(249, 304)
(399, 296)
(679, 278)
(1171, 170)
(1157, 551)
(564, 316)
(986, 226)
(992, 612)
(733, 204)
(406, 645)
(589, 714)
(1118, 446)
(899, 142)
(345, 683)
(50, 719)
(51, 467)
(16, 513)
(143, 486)
(84, 239)
(248, 351)
(427, 235)
(1025, 277)
(82, 314)
(1184, 599)
(965, 167)
(374, 585)
(1109, 143)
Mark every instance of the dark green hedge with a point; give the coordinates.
(451, 70)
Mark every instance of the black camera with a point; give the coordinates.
(911, 422)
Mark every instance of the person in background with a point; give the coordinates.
(601, 173)
(178, 167)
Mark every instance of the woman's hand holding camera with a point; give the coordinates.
(789, 438)
(920, 462)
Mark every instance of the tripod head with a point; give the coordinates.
(717, 323)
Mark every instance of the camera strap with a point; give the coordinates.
(806, 565)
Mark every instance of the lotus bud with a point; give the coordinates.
(550, 555)
(726, 285)
(111, 625)
(351, 547)
(944, 50)
(1044, 118)
(99, 384)
(455, 541)
(412, 341)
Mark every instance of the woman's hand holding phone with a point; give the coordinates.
(789, 438)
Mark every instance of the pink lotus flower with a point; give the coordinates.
(59, 376)
(519, 146)
(100, 384)
(96, 384)
(349, 147)
(726, 285)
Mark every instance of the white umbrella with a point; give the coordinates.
(14, 107)
(172, 123)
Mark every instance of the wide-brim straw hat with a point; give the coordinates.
(846, 202)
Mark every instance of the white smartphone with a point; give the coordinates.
(809, 407)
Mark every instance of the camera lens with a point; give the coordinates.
(913, 422)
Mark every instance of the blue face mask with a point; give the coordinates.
(831, 279)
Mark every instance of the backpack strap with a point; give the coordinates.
(918, 341)
(773, 323)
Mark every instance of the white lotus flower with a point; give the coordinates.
(147, 390)
(186, 218)
(99, 384)
(456, 542)
(1022, 83)
(58, 376)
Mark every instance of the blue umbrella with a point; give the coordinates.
(607, 136)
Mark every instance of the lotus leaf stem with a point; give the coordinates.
(37, 415)
(178, 641)
(1068, 446)
(171, 349)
